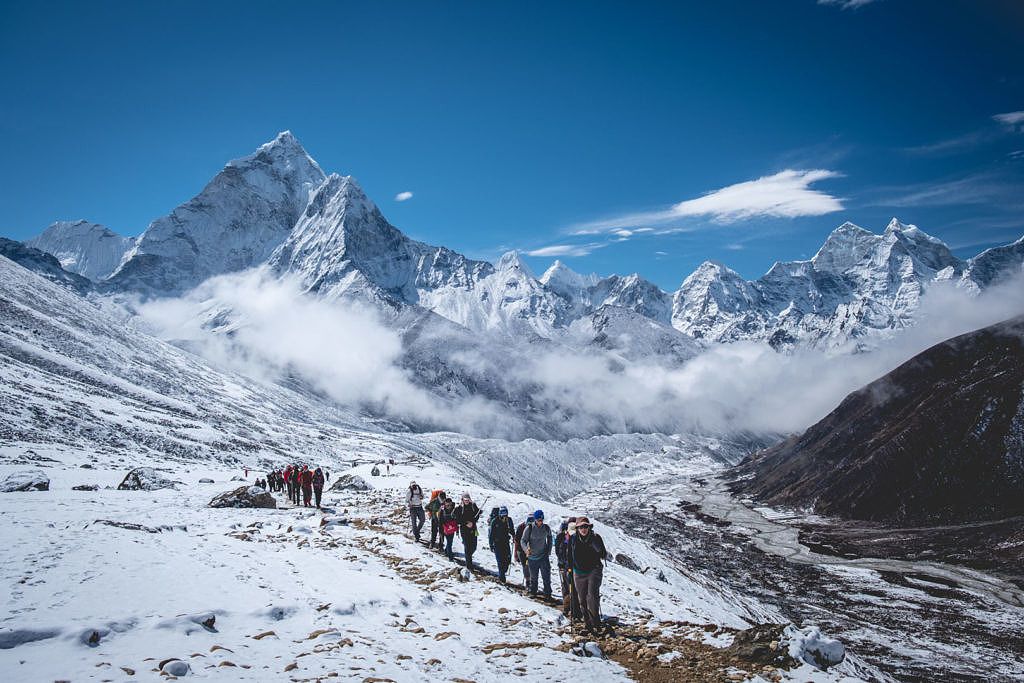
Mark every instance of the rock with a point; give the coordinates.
(244, 497)
(627, 561)
(350, 482)
(810, 646)
(237, 478)
(206, 480)
(86, 466)
(145, 479)
(174, 667)
(94, 639)
(587, 649)
(86, 487)
(754, 645)
(26, 480)
(661, 576)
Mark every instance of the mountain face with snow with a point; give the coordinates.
(236, 222)
(87, 249)
(44, 264)
(277, 208)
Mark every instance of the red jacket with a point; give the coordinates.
(306, 477)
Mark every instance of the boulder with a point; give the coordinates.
(145, 479)
(174, 667)
(26, 480)
(86, 487)
(206, 480)
(350, 482)
(244, 497)
(808, 645)
(627, 561)
(760, 645)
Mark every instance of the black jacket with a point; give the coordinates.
(500, 533)
(562, 548)
(467, 513)
(586, 554)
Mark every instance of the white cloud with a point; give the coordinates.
(1010, 118)
(786, 194)
(566, 250)
(735, 246)
(846, 4)
(403, 196)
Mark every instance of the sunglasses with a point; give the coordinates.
(584, 526)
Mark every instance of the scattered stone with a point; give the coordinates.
(94, 639)
(265, 634)
(291, 667)
(132, 526)
(145, 479)
(244, 497)
(206, 480)
(130, 672)
(209, 622)
(26, 480)
(755, 645)
(86, 487)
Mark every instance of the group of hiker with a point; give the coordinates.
(579, 550)
(298, 481)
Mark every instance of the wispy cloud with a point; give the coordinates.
(990, 189)
(786, 194)
(567, 249)
(1013, 119)
(403, 196)
(846, 4)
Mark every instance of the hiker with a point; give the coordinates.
(536, 542)
(288, 480)
(307, 486)
(586, 552)
(570, 600)
(520, 554)
(389, 469)
(434, 510)
(414, 501)
(449, 525)
(318, 486)
(296, 484)
(500, 533)
(468, 514)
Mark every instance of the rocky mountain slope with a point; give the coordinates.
(87, 249)
(44, 264)
(939, 440)
(277, 207)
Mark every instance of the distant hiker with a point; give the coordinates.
(520, 554)
(246, 470)
(375, 472)
(288, 480)
(389, 469)
(434, 510)
(570, 600)
(536, 542)
(318, 486)
(296, 484)
(468, 514)
(586, 552)
(449, 526)
(327, 475)
(500, 533)
(307, 486)
(414, 501)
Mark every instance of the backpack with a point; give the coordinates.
(450, 527)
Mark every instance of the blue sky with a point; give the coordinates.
(626, 136)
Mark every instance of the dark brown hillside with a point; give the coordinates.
(939, 440)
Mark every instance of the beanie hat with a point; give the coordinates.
(539, 514)
(503, 510)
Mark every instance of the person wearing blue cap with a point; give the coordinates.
(499, 535)
(537, 544)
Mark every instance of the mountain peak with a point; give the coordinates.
(512, 260)
(896, 226)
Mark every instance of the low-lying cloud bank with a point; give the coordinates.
(266, 328)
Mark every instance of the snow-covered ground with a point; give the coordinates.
(295, 593)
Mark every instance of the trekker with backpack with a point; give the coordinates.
(536, 542)
(449, 526)
(318, 486)
(570, 601)
(306, 479)
(296, 484)
(434, 510)
(468, 514)
(414, 501)
(500, 533)
(288, 480)
(586, 553)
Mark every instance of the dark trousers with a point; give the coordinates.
(589, 589)
(540, 568)
(503, 556)
(307, 494)
(417, 518)
(570, 599)
(296, 489)
(318, 494)
(468, 545)
(448, 538)
(435, 531)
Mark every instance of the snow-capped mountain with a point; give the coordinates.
(85, 248)
(44, 264)
(277, 207)
(858, 284)
(238, 219)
